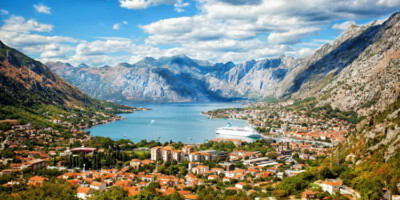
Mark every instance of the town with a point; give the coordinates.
(89, 165)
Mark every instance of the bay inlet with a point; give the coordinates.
(168, 121)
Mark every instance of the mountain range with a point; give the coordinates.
(355, 57)
(178, 79)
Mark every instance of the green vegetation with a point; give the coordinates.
(329, 113)
(49, 191)
(220, 146)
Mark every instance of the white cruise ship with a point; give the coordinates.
(237, 131)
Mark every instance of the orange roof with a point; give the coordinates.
(190, 196)
(84, 190)
(38, 179)
(73, 182)
(170, 191)
(123, 183)
(70, 174)
(133, 193)
(332, 183)
(97, 183)
(184, 192)
(309, 192)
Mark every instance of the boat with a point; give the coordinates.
(237, 131)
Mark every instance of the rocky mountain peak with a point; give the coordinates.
(83, 65)
(124, 64)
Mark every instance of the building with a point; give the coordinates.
(332, 187)
(35, 164)
(256, 161)
(187, 149)
(37, 180)
(135, 163)
(177, 155)
(195, 157)
(200, 169)
(98, 185)
(216, 155)
(156, 153)
(227, 166)
(240, 185)
(83, 192)
(166, 154)
(86, 150)
(395, 197)
(309, 194)
(200, 156)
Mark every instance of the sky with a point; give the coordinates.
(108, 32)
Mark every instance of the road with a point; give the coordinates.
(3, 144)
(285, 139)
(347, 190)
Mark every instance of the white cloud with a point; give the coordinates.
(226, 28)
(116, 26)
(19, 24)
(180, 5)
(389, 3)
(17, 33)
(102, 47)
(292, 36)
(222, 30)
(142, 4)
(42, 9)
(21, 39)
(3, 12)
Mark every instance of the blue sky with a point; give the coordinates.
(107, 32)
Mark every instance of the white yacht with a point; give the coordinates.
(237, 131)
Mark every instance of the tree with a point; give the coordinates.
(48, 191)
(114, 193)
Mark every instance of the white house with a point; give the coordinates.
(98, 185)
(230, 174)
(330, 186)
(240, 185)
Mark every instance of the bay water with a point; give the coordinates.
(169, 121)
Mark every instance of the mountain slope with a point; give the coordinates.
(359, 72)
(29, 90)
(26, 82)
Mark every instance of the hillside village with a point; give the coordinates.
(294, 120)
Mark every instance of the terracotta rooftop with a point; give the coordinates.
(84, 190)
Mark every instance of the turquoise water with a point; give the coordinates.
(171, 121)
